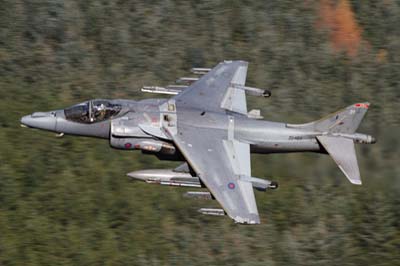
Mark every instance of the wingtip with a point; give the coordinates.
(356, 182)
(362, 105)
(235, 61)
(252, 219)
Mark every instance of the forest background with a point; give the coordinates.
(67, 201)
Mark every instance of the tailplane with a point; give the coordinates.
(343, 153)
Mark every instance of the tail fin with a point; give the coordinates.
(343, 153)
(346, 120)
(340, 148)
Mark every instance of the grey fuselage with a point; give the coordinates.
(137, 126)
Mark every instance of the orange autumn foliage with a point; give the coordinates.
(345, 34)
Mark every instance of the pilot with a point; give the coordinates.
(100, 113)
(84, 117)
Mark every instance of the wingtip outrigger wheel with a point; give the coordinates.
(273, 185)
(267, 93)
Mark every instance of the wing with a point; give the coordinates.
(218, 90)
(223, 165)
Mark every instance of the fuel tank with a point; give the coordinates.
(166, 177)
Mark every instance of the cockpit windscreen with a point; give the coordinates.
(92, 111)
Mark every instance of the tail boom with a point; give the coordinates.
(336, 134)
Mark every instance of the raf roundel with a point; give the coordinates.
(231, 185)
(128, 145)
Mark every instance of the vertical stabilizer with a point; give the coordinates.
(346, 120)
(343, 153)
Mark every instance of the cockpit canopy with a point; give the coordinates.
(92, 111)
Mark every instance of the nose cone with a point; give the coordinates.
(46, 121)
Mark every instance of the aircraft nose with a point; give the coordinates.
(25, 120)
(40, 120)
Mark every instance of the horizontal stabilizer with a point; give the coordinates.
(343, 153)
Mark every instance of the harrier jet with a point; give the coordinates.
(206, 125)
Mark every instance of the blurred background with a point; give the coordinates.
(67, 201)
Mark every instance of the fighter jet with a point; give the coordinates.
(206, 125)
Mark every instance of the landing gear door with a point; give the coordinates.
(168, 118)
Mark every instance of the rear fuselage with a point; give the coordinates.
(274, 137)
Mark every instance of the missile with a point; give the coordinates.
(198, 195)
(260, 184)
(186, 80)
(166, 177)
(170, 89)
(253, 91)
(175, 87)
(200, 70)
(212, 211)
(160, 90)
